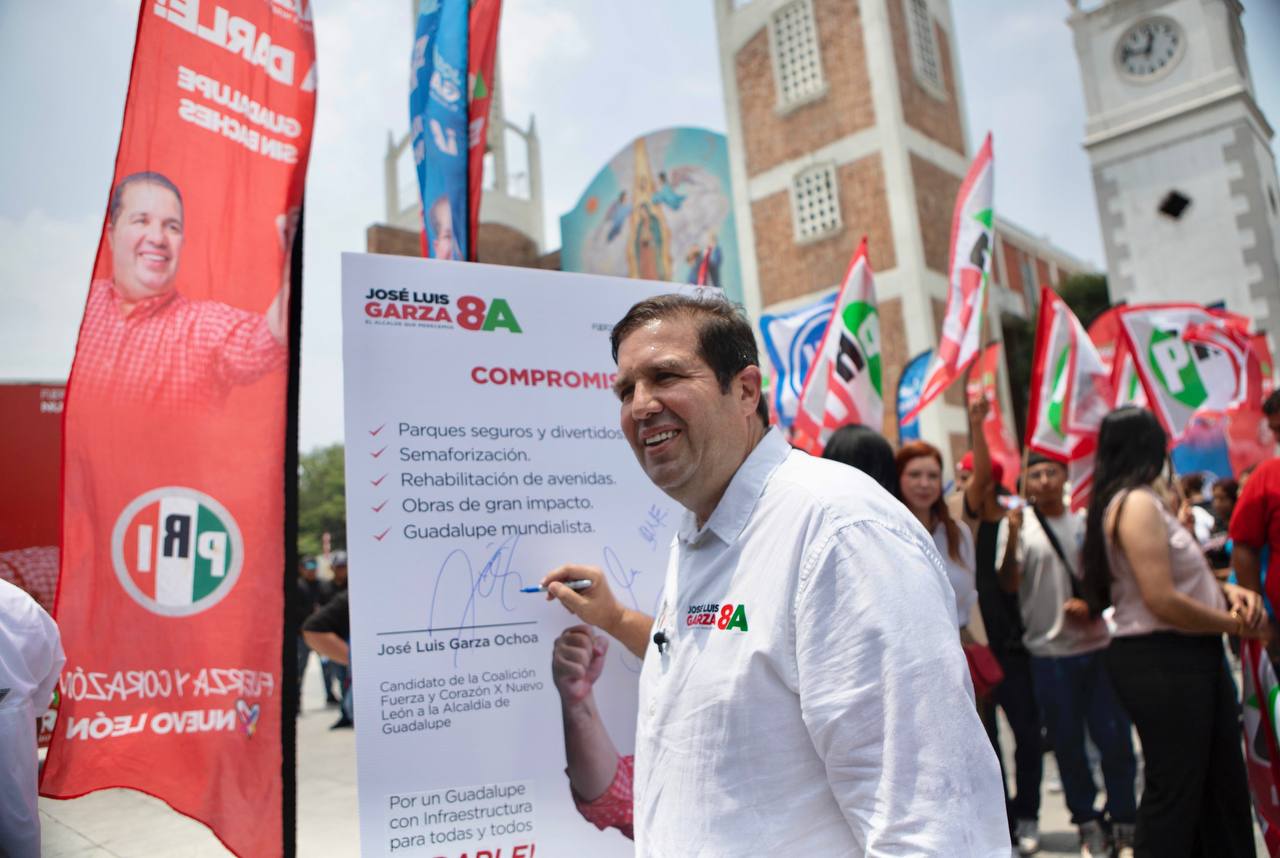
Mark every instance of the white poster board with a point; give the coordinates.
(483, 450)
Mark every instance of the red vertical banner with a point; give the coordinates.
(170, 597)
(1000, 438)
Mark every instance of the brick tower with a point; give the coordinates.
(845, 118)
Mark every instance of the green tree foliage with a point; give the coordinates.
(322, 503)
(1086, 295)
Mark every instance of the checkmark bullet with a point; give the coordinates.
(379, 453)
(379, 507)
(379, 536)
(379, 480)
(374, 432)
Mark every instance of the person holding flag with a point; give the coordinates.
(1166, 659)
(1040, 560)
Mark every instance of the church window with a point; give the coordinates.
(815, 203)
(793, 38)
(924, 47)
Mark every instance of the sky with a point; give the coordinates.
(595, 75)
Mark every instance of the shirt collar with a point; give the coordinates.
(740, 497)
(145, 307)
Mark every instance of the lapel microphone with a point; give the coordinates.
(660, 638)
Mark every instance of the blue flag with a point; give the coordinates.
(909, 387)
(792, 339)
(438, 117)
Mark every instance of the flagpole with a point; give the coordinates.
(290, 701)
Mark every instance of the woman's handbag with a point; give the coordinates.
(983, 668)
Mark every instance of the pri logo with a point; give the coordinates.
(176, 551)
(1058, 392)
(860, 344)
(1177, 367)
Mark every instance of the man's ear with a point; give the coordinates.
(747, 386)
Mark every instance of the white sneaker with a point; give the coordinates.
(1093, 840)
(1026, 832)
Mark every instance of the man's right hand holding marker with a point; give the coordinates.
(598, 606)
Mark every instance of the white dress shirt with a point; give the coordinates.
(829, 711)
(30, 660)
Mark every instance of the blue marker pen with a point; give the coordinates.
(581, 584)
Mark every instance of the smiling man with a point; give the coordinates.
(805, 691)
(143, 342)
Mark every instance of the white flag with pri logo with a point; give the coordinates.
(1180, 378)
(969, 273)
(845, 381)
(1070, 394)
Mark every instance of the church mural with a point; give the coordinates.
(659, 210)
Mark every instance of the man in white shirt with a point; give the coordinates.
(805, 691)
(30, 660)
(1040, 551)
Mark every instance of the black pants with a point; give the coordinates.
(1180, 697)
(1016, 698)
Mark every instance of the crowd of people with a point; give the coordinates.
(1082, 627)
(324, 620)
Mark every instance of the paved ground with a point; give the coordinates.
(125, 824)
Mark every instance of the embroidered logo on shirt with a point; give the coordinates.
(726, 616)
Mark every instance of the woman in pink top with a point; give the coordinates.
(1166, 658)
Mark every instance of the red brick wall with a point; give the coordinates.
(789, 270)
(770, 138)
(935, 118)
(1013, 267)
(1042, 274)
(936, 191)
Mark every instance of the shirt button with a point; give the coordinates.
(653, 708)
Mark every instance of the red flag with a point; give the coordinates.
(170, 598)
(1060, 407)
(1262, 752)
(1000, 439)
(482, 51)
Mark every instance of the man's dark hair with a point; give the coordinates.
(1192, 484)
(725, 341)
(1271, 406)
(146, 177)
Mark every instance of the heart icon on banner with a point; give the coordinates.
(248, 716)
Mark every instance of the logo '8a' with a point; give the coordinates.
(176, 551)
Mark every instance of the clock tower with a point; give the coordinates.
(1185, 180)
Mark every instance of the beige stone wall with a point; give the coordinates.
(789, 270)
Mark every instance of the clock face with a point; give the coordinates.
(1149, 47)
